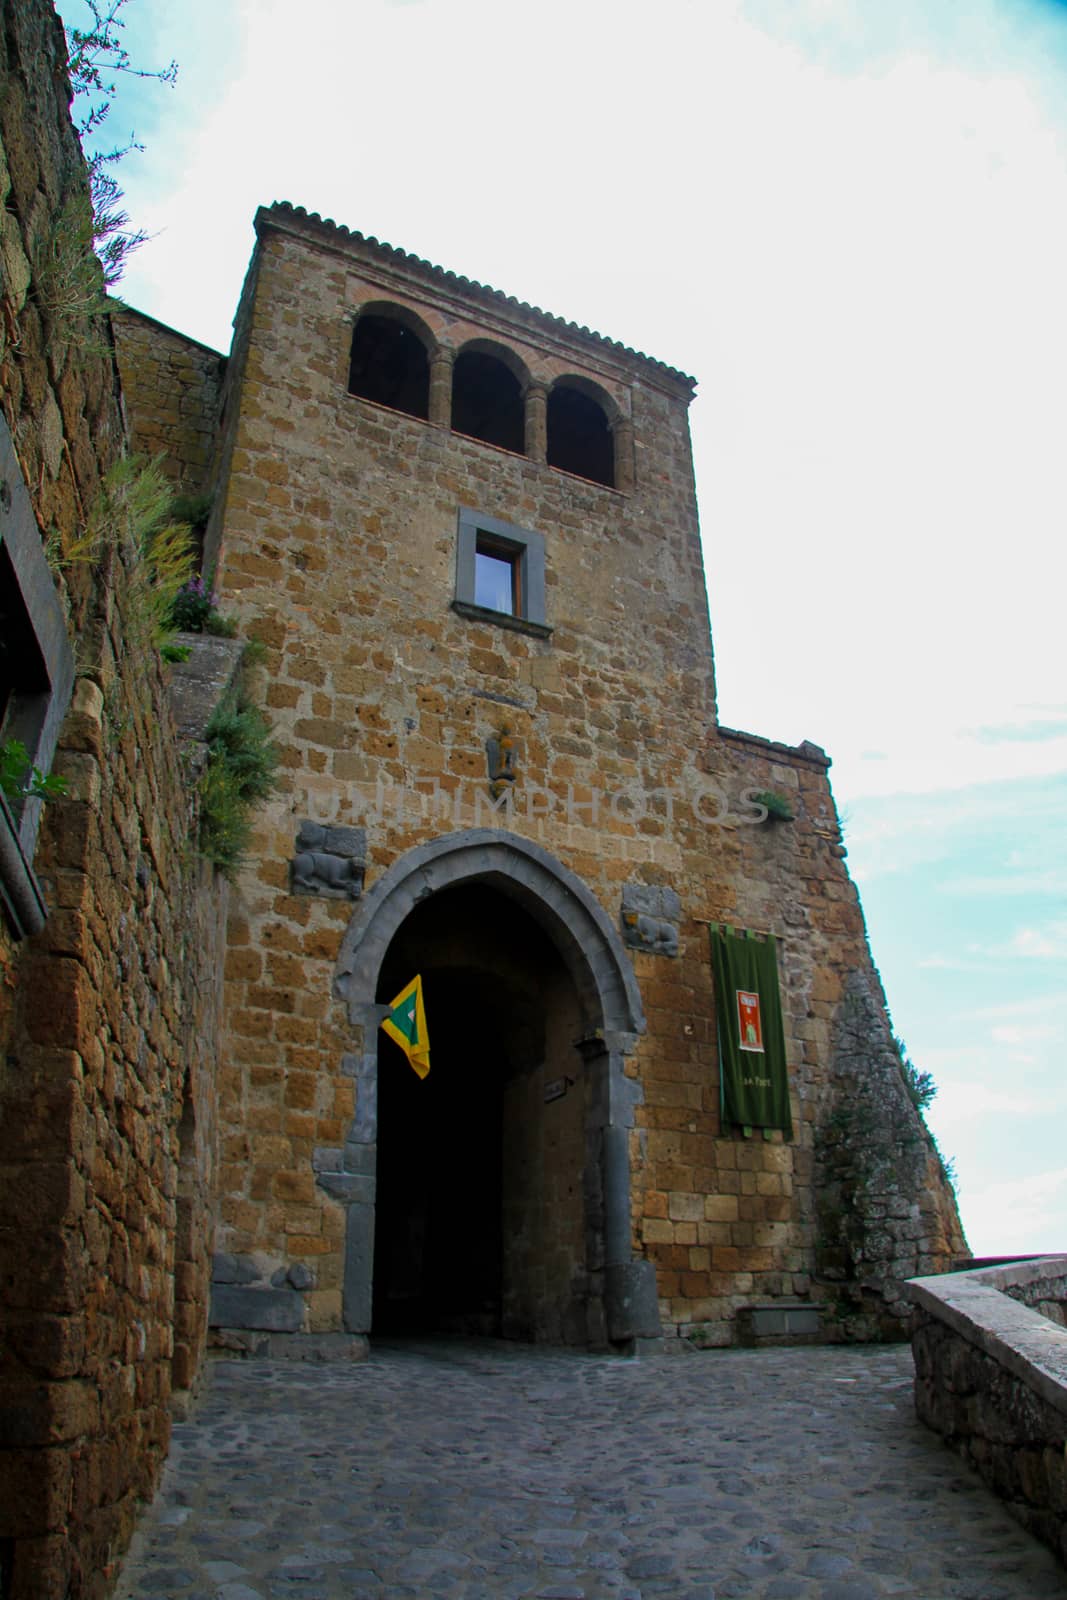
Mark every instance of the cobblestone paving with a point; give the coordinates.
(464, 1471)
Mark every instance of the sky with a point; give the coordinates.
(848, 220)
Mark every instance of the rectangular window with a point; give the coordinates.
(496, 579)
(500, 574)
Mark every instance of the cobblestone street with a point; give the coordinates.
(472, 1470)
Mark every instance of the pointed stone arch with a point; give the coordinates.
(594, 955)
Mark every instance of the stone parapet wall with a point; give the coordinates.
(1046, 1293)
(991, 1378)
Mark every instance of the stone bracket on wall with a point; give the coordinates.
(649, 918)
(328, 862)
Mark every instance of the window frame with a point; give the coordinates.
(35, 712)
(477, 534)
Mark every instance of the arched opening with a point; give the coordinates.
(480, 1215)
(537, 1010)
(390, 364)
(579, 437)
(487, 401)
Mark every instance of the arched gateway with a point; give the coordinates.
(502, 1194)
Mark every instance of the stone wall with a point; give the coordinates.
(171, 386)
(109, 1014)
(991, 1378)
(733, 1222)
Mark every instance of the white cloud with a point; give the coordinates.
(1023, 1033)
(1038, 1005)
(963, 1100)
(1041, 944)
(1025, 1215)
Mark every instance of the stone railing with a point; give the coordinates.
(991, 1378)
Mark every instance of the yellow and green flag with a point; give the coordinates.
(406, 1026)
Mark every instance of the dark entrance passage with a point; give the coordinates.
(480, 1210)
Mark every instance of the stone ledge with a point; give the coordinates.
(808, 754)
(245, 1342)
(199, 684)
(991, 1379)
(974, 1305)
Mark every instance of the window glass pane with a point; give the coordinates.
(494, 582)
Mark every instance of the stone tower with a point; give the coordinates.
(465, 534)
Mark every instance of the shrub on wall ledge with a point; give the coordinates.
(239, 775)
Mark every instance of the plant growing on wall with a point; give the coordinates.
(776, 805)
(131, 515)
(920, 1085)
(240, 774)
(194, 610)
(21, 780)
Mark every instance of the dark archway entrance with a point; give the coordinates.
(527, 932)
(480, 1216)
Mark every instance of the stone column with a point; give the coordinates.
(536, 421)
(348, 1175)
(441, 386)
(631, 1301)
(623, 433)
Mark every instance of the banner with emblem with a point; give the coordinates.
(754, 1081)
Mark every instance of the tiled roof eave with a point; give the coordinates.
(282, 212)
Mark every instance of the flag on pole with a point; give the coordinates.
(406, 1026)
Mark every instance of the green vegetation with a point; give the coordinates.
(920, 1085)
(194, 610)
(239, 776)
(132, 516)
(776, 805)
(21, 780)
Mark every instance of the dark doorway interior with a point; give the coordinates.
(439, 1170)
(479, 1204)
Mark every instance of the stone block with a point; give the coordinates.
(261, 1310)
(233, 1269)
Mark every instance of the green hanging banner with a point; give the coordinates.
(754, 1082)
